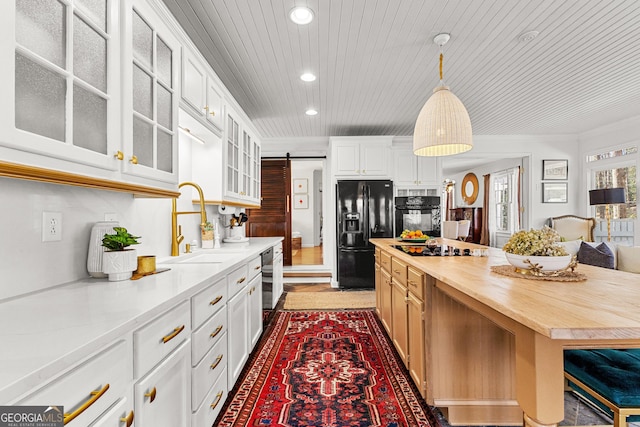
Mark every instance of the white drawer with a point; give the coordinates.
(207, 372)
(207, 302)
(154, 341)
(207, 335)
(120, 415)
(207, 413)
(97, 383)
(237, 280)
(254, 267)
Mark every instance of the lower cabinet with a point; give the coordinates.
(401, 298)
(89, 389)
(163, 396)
(120, 415)
(399, 325)
(255, 310)
(238, 335)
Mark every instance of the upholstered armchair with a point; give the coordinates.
(571, 227)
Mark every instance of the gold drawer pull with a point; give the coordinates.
(119, 155)
(134, 160)
(173, 334)
(95, 395)
(396, 271)
(215, 301)
(216, 332)
(213, 113)
(412, 283)
(257, 267)
(215, 364)
(151, 395)
(128, 419)
(242, 279)
(215, 402)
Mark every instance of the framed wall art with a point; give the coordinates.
(301, 201)
(300, 186)
(555, 170)
(554, 192)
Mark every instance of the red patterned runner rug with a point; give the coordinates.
(326, 369)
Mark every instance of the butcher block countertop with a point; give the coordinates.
(604, 307)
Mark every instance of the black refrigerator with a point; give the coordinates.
(364, 211)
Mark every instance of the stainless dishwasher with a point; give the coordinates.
(272, 281)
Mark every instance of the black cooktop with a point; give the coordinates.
(424, 250)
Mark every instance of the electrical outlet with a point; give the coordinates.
(51, 226)
(110, 216)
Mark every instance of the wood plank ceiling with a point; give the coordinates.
(377, 65)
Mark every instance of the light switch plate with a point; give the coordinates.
(51, 226)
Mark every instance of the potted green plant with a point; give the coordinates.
(118, 261)
(537, 250)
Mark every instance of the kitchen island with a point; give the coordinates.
(492, 344)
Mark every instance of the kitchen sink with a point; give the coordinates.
(207, 258)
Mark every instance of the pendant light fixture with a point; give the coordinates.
(443, 126)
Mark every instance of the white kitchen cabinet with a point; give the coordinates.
(212, 404)
(120, 415)
(242, 162)
(151, 71)
(410, 170)
(354, 157)
(254, 290)
(163, 396)
(59, 102)
(201, 92)
(69, 76)
(90, 388)
(238, 335)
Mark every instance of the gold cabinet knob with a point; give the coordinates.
(119, 155)
(134, 160)
(128, 420)
(151, 395)
(213, 113)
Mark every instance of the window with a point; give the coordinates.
(504, 200)
(622, 176)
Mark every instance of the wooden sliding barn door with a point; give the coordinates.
(274, 216)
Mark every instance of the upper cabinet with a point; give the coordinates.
(151, 70)
(410, 170)
(201, 93)
(91, 93)
(61, 79)
(362, 156)
(242, 158)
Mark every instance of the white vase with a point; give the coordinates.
(119, 265)
(94, 256)
(546, 263)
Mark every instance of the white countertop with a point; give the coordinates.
(48, 331)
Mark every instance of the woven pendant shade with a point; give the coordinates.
(443, 126)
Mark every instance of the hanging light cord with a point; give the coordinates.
(441, 58)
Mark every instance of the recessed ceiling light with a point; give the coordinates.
(307, 77)
(311, 112)
(301, 15)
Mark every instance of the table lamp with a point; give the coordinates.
(607, 197)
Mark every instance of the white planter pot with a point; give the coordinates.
(119, 265)
(546, 263)
(94, 256)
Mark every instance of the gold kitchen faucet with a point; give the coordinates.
(176, 230)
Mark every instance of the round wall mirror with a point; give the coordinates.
(470, 188)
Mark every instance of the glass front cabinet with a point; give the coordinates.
(90, 88)
(242, 154)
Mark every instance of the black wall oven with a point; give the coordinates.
(418, 213)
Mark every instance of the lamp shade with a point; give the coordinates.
(606, 196)
(443, 126)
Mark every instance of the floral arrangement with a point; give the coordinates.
(544, 242)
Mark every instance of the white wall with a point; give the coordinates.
(302, 220)
(498, 148)
(27, 264)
